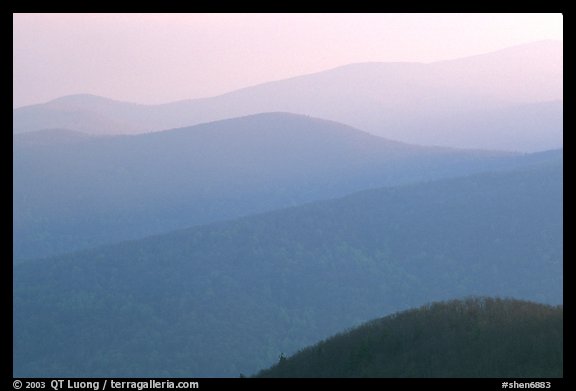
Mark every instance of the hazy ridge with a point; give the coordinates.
(227, 298)
(430, 104)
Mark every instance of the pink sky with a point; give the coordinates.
(158, 58)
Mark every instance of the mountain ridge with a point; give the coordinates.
(410, 102)
(229, 297)
(545, 42)
(116, 187)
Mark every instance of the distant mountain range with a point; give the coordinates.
(479, 338)
(206, 237)
(230, 297)
(509, 99)
(73, 191)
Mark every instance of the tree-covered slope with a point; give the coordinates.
(72, 191)
(478, 337)
(227, 298)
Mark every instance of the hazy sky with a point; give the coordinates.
(158, 58)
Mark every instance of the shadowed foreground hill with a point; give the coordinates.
(479, 337)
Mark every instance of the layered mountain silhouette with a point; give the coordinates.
(73, 191)
(477, 337)
(467, 102)
(230, 297)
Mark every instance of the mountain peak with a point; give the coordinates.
(81, 98)
(87, 102)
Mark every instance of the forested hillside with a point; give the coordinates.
(228, 298)
(478, 337)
